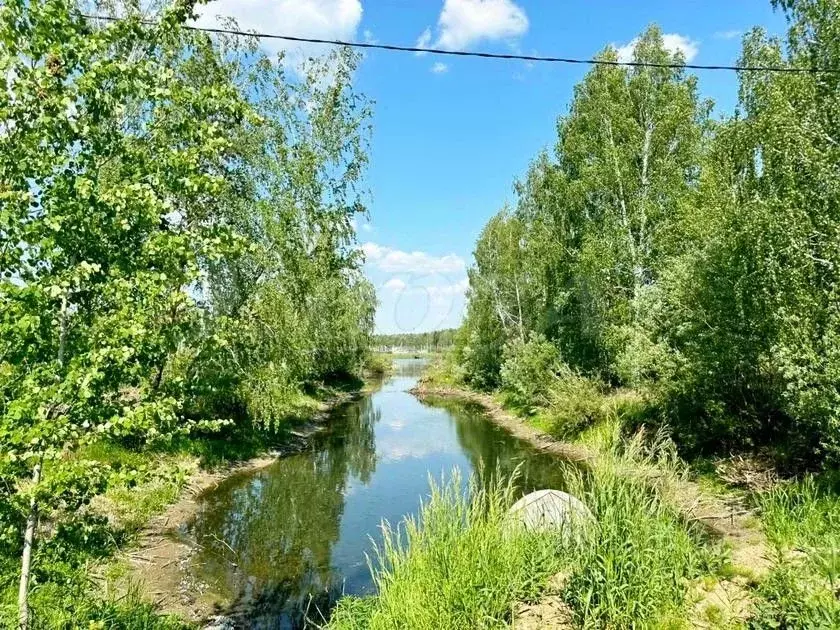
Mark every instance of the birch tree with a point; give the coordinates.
(629, 151)
(110, 163)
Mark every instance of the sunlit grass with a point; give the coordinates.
(71, 606)
(459, 566)
(456, 566)
(634, 568)
(802, 522)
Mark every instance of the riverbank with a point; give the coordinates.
(777, 535)
(459, 562)
(156, 565)
(300, 532)
(117, 562)
(723, 516)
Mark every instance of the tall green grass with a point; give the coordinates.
(460, 566)
(77, 603)
(457, 566)
(633, 570)
(802, 523)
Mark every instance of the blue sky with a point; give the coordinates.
(452, 134)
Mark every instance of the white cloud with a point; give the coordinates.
(625, 53)
(423, 41)
(673, 42)
(368, 37)
(397, 261)
(365, 227)
(463, 23)
(439, 68)
(323, 19)
(394, 284)
(731, 34)
(444, 293)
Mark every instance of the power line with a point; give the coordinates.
(483, 55)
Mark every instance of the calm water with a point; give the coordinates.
(286, 541)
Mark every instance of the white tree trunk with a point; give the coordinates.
(32, 517)
(26, 558)
(519, 308)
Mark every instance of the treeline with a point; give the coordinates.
(695, 260)
(432, 340)
(176, 243)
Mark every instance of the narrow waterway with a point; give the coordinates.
(284, 542)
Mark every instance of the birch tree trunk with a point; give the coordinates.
(32, 517)
(26, 559)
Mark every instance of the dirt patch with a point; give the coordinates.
(724, 604)
(549, 613)
(726, 518)
(160, 561)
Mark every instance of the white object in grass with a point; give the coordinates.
(549, 509)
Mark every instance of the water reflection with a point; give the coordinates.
(492, 450)
(286, 541)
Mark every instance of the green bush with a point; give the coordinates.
(376, 364)
(479, 347)
(529, 370)
(794, 597)
(574, 403)
(446, 371)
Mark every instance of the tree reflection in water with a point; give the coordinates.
(492, 450)
(285, 542)
(266, 537)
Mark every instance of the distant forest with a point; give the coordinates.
(432, 340)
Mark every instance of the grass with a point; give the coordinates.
(63, 592)
(802, 522)
(70, 606)
(378, 363)
(635, 568)
(635, 573)
(143, 484)
(444, 372)
(458, 566)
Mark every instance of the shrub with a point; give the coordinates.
(574, 402)
(640, 360)
(529, 370)
(376, 364)
(445, 371)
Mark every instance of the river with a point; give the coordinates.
(284, 542)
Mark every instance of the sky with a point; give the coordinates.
(451, 135)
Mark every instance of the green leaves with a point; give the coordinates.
(692, 258)
(176, 245)
(593, 228)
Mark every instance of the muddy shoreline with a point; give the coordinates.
(159, 562)
(515, 426)
(723, 518)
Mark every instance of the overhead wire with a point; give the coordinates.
(484, 55)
